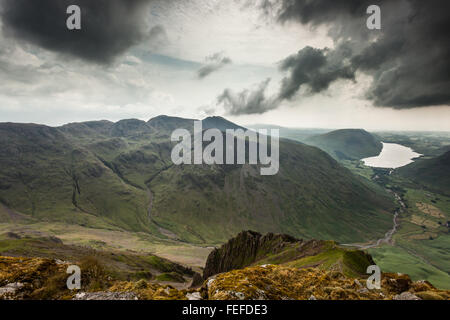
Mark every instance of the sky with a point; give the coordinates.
(299, 63)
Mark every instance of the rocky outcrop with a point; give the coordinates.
(248, 247)
(104, 295)
(273, 282)
(197, 280)
(10, 290)
(34, 278)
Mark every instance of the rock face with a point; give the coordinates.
(197, 280)
(10, 290)
(243, 250)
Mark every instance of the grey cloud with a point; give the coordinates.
(213, 63)
(248, 101)
(315, 68)
(109, 27)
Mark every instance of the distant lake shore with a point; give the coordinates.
(392, 156)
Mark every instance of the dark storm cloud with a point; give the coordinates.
(311, 69)
(315, 68)
(213, 63)
(248, 101)
(409, 58)
(109, 27)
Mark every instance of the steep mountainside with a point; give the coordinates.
(347, 144)
(111, 175)
(431, 173)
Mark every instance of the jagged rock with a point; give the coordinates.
(421, 285)
(406, 296)
(197, 280)
(363, 290)
(193, 296)
(396, 282)
(103, 295)
(358, 283)
(10, 289)
(243, 250)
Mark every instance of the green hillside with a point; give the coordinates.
(347, 144)
(111, 175)
(433, 174)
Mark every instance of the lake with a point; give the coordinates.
(393, 156)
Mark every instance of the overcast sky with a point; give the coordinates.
(291, 63)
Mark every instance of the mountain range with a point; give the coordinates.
(119, 175)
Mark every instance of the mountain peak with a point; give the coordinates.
(219, 123)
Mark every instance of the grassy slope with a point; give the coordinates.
(431, 173)
(396, 259)
(352, 263)
(347, 144)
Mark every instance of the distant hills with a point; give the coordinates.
(297, 134)
(343, 144)
(119, 175)
(347, 144)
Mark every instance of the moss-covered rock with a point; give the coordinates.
(35, 278)
(281, 283)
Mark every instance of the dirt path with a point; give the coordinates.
(388, 235)
(169, 234)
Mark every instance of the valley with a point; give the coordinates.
(51, 207)
(418, 243)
